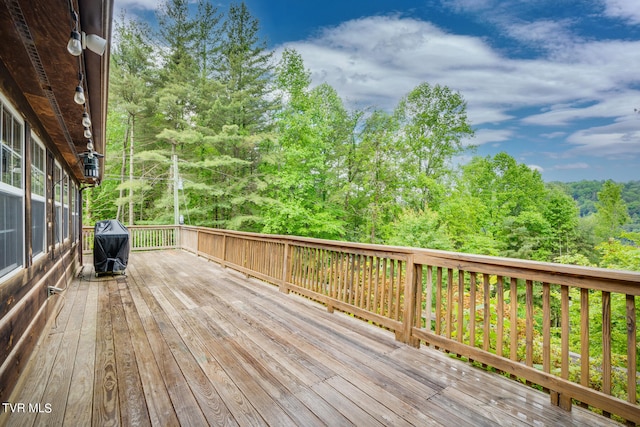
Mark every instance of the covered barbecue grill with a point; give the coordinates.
(110, 247)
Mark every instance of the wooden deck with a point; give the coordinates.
(182, 341)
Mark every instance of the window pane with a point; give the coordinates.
(58, 223)
(37, 169)
(10, 232)
(65, 204)
(57, 178)
(37, 226)
(11, 150)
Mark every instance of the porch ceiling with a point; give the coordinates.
(41, 75)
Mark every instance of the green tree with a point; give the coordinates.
(495, 208)
(299, 164)
(374, 203)
(433, 122)
(130, 104)
(621, 254)
(245, 69)
(611, 212)
(422, 229)
(561, 212)
(526, 236)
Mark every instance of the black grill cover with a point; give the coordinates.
(110, 246)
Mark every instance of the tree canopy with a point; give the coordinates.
(259, 146)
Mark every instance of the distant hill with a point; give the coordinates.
(585, 193)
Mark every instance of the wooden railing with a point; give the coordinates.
(569, 330)
(142, 238)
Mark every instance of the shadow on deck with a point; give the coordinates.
(182, 341)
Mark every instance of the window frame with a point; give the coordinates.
(37, 145)
(9, 188)
(57, 204)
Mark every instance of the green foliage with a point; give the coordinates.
(433, 122)
(611, 212)
(421, 229)
(261, 148)
(621, 254)
(586, 195)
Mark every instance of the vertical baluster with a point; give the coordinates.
(448, 326)
(399, 288)
(356, 282)
(334, 274)
(472, 309)
(565, 400)
(312, 269)
(370, 288)
(389, 285)
(631, 349)
(529, 325)
(352, 278)
(584, 337)
(606, 343)
(500, 316)
(513, 333)
(322, 272)
(486, 341)
(546, 327)
(419, 296)
(303, 278)
(297, 266)
(340, 277)
(449, 304)
(363, 281)
(376, 288)
(439, 300)
(460, 330)
(317, 262)
(428, 306)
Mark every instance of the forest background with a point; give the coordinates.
(201, 104)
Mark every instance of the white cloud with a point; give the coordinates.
(615, 141)
(553, 135)
(547, 35)
(615, 106)
(572, 166)
(374, 61)
(135, 5)
(628, 10)
(485, 136)
(536, 168)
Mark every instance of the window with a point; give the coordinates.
(74, 211)
(11, 192)
(38, 219)
(57, 197)
(65, 207)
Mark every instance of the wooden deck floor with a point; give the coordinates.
(181, 341)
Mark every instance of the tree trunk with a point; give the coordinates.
(122, 172)
(131, 215)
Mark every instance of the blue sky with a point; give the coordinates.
(554, 83)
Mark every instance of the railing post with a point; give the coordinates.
(224, 251)
(411, 295)
(284, 288)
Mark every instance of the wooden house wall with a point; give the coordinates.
(26, 306)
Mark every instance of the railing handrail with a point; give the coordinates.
(389, 285)
(632, 277)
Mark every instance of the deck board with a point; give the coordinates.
(183, 341)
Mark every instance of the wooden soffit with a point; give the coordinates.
(41, 76)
